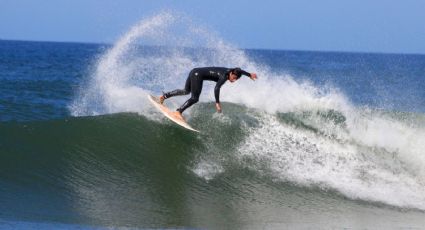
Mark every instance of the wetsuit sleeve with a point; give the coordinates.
(243, 72)
(217, 89)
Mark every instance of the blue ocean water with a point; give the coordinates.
(321, 140)
(40, 79)
(387, 81)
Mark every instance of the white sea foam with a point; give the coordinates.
(208, 169)
(359, 171)
(369, 156)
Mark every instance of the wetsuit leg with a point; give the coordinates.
(196, 88)
(179, 92)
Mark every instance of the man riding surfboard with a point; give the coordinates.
(194, 85)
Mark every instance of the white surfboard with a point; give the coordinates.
(169, 114)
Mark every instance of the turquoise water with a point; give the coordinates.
(322, 140)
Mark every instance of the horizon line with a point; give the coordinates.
(263, 49)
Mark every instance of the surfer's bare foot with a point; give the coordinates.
(161, 99)
(178, 115)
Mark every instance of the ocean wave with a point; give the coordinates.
(289, 130)
(308, 149)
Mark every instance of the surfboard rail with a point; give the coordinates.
(169, 114)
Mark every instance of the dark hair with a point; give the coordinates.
(237, 71)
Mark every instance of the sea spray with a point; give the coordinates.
(127, 72)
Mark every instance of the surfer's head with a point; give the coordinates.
(235, 74)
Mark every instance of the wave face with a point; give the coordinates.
(128, 170)
(282, 147)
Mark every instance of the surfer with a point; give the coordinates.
(194, 85)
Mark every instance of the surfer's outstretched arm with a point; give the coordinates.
(253, 76)
(239, 72)
(217, 93)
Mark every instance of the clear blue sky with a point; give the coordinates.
(396, 26)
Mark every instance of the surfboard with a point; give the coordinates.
(169, 114)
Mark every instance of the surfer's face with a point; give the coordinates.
(233, 77)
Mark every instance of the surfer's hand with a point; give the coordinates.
(218, 107)
(253, 76)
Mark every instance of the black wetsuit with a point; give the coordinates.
(194, 84)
